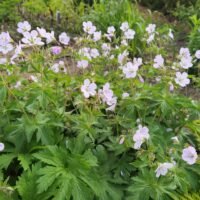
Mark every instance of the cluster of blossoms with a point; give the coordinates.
(89, 53)
(130, 69)
(106, 94)
(128, 34)
(151, 30)
(189, 155)
(35, 37)
(185, 58)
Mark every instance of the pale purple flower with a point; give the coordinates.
(182, 79)
(56, 50)
(151, 28)
(124, 26)
(64, 38)
(107, 96)
(129, 34)
(6, 48)
(82, 64)
(88, 88)
(5, 38)
(2, 146)
(94, 53)
(197, 54)
(130, 70)
(184, 53)
(23, 27)
(158, 61)
(32, 38)
(5, 43)
(186, 63)
(111, 31)
(163, 169)
(89, 28)
(97, 36)
(189, 155)
(140, 136)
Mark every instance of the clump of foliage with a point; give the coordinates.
(166, 6)
(87, 119)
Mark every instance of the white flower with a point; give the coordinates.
(42, 32)
(158, 61)
(107, 96)
(82, 64)
(124, 26)
(137, 61)
(50, 37)
(186, 63)
(182, 79)
(88, 27)
(189, 155)
(7, 48)
(32, 38)
(130, 70)
(140, 136)
(5, 43)
(111, 31)
(184, 53)
(5, 38)
(125, 95)
(97, 36)
(23, 27)
(163, 169)
(64, 38)
(151, 28)
(88, 88)
(197, 54)
(129, 34)
(2, 146)
(170, 34)
(94, 53)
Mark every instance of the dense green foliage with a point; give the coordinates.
(62, 139)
